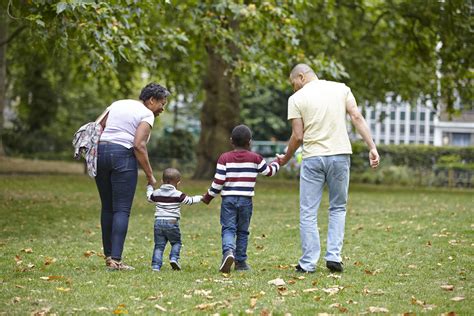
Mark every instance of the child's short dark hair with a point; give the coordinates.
(171, 175)
(241, 135)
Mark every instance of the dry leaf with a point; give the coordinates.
(62, 289)
(52, 278)
(333, 290)
(16, 299)
(89, 253)
(258, 295)
(310, 290)
(277, 282)
(42, 312)
(357, 263)
(412, 266)
(283, 267)
(414, 301)
(374, 309)
(161, 308)
(341, 308)
(48, 261)
(449, 314)
(334, 276)
(253, 302)
(301, 277)
(376, 271)
(457, 298)
(27, 250)
(291, 281)
(283, 291)
(18, 260)
(19, 286)
(447, 287)
(265, 312)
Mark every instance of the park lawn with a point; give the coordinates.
(402, 246)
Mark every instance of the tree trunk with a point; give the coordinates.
(219, 114)
(3, 73)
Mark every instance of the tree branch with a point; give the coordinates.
(13, 35)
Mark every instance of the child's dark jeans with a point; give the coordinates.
(236, 212)
(166, 230)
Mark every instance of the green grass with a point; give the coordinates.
(401, 246)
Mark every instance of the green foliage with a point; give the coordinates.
(178, 144)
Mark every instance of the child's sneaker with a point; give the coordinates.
(241, 266)
(227, 261)
(175, 265)
(334, 266)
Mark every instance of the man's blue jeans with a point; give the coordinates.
(116, 180)
(315, 172)
(166, 230)
(236, 212)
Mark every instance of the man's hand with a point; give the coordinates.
(282, 159)
(374, 158)
(152, 181)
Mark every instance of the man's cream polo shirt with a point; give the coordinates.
(321, 105)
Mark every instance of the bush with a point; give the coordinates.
(178, 144)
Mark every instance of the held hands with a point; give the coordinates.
(204, 200)
(282, 159)
(151, 181)
(374, 158)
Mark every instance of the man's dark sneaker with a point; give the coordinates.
(334, 266)
(175, 265)
(227, 261)
(241, 266)
(299, 269)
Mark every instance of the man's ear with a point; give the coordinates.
(177, 183)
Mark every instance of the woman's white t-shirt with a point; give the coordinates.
(123, 120)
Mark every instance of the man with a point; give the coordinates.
(317, 111)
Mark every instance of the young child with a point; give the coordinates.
(168, 204)
(235, 177)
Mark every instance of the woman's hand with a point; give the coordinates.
(152, 181)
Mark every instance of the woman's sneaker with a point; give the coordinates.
(115, 265)
(107, 261)
(227, 261)
(241, 266)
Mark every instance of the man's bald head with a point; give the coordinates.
(301, 69)
(301, 75)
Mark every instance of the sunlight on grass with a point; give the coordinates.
(406, 250)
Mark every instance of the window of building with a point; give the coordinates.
(422, 129)
(412, 129)
(402, 129)
(422, 116)
(431, 130)
(402, 116)
(461, 139)
(412, 115)
(372, 115)
(392, 115)
(382, 128)
(432, 115)
(392, 128)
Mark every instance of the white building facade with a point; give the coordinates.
(403, 123)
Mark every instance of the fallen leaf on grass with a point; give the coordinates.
(161, 308)
(253, 302)
(357, 263)
(374, 309)
(425, 306)
(120, 309)
(102, 309)
(18, 260)
(447, 287)
(277, 282)
(52, 278)
(310, 290)
(376, 271)
(333, 290)
(27, 250)
(341, 308)
(449, 314)
(283, 267)
(301, 277)
(218, 304)
(42, 312)
(187, 296)
(291, 281)
(412, 266)
(334, 276)
(16, 299)
(19, 286)
(89, 253)
(457, 298)
(258, 295)
(48, 261)
(62, 289)
(283, 291)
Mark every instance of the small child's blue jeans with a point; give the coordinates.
(166, 230)
(236, 212)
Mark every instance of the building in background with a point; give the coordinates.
(401, 123)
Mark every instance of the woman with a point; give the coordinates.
(127, 128)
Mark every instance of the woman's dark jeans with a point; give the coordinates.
(116, 179)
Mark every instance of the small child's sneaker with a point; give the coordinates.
(175, 265)
(241, 266)
(227, 261)
(155, 269)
